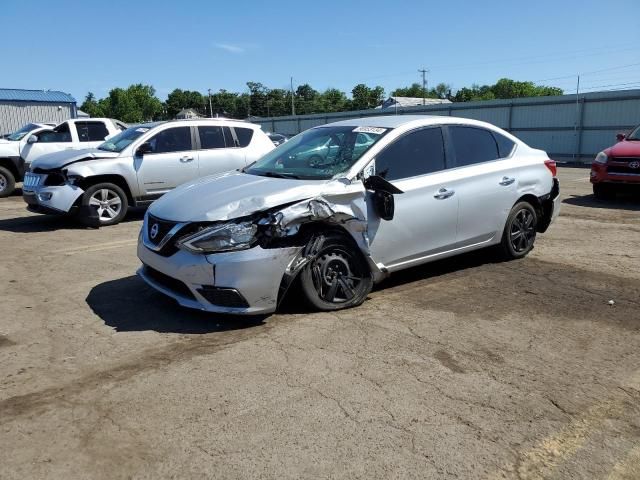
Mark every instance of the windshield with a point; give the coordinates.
(20, 134)
(123, 139)
(318, 154)
(635, 135)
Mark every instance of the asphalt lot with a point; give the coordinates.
(467, 368)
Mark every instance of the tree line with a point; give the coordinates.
(139, 102)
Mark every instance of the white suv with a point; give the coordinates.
(341, 206)
(138, 166)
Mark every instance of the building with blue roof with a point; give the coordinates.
(19, 107)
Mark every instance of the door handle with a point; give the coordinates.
(186, 159)
(443, 193)
(507, 181)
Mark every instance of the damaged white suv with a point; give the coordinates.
(138, 166)
(342, 206)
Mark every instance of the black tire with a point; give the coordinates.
(7, 182)
(338, 275)
(519, 232)
(98, 205)
(602, 191)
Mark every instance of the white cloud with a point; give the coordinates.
(229, 47)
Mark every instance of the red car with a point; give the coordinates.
(617, 167)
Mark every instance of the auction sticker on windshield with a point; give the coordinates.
(377, 130)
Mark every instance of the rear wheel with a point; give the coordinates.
(338, 276)
(7, 182)
(103, 204)
(603, 191)
(520, 231)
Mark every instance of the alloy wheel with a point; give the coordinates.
(107, 203)
(336, 276)
(3, 182)
(523, 230)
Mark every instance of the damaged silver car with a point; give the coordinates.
(395, 192)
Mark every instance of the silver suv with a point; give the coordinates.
(341, 206)
(138, 166)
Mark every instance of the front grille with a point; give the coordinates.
(623, 170)
(168, 282)
(157, 229)
(223, 297)
(624, 159)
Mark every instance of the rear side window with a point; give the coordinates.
(244, 136)
(212, 137)
(416, 153)
(91, 131)
(176, 139)
(505, 146)
(473, 145)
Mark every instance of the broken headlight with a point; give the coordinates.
(221, 238)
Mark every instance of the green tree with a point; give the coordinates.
(307, 100)
(364, 97)
(91, 106)
(333, 100)
(179, 99)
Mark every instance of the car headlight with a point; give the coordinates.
(601, 158)
(221, 238)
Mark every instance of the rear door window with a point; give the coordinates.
(91, 131)
(212, 137)
(416, 153)
(473, 145)
(244, 136)
(177, 139)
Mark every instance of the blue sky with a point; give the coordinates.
(81, 46)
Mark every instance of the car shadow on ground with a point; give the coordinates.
(50, 223)
(626, 201)
(129, 305)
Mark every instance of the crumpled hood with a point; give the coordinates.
(234, 194)
(65, 157)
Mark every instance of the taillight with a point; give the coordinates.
(551, 165)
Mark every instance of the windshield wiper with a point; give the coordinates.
(279, 175)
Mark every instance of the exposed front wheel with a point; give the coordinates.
(520, 231)
(7, 182)
(103, 204)
(338, 276)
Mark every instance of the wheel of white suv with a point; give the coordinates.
(338, 276)
(520, 231)
(7, 182)
(106, 202)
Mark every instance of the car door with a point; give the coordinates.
(168, 162)
(48, 141)
(217, 151)
(424, 223)
(485, 180)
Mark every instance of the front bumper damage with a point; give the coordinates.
(252, 281)
(51, 199)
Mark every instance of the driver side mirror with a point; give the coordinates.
(383, 192)
(144, 148)
(620, 137)
(32, 139)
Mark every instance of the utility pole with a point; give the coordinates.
(424, 84)
(210, 109)
(293, 104)
(575, 128)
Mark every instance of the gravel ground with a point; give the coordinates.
(466, 368)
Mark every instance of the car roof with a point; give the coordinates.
(395, 121)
